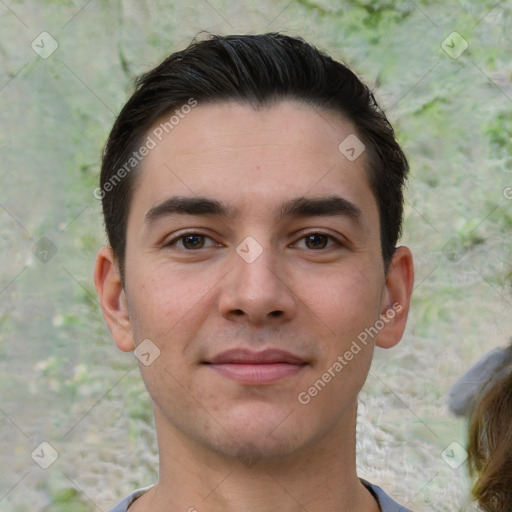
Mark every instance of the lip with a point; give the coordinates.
(257, 368)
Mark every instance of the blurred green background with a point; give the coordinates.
(63, 382)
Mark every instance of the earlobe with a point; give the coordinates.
(113, 299)
(396, 298)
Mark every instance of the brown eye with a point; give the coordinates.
(316, 241)
(193, 241)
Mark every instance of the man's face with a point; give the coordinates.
(307, 281)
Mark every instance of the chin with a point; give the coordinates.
(261, 431)
(250, 451)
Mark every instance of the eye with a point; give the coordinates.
(317, 241)
(191, 241)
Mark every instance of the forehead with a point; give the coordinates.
(253, 158)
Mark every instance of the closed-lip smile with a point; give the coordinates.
(256, 368)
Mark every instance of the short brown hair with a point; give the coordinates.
(490, 445)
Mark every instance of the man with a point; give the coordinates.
(252, 194)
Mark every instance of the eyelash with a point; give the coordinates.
(182, 236)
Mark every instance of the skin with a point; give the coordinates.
(224, 445)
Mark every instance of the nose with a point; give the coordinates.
(257, 289)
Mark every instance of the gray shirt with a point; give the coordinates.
(385, 502)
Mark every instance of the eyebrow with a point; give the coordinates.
(318, 207)
(299, 207)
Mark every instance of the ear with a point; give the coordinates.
(112, 299)
(396, 299)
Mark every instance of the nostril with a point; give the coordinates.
(238, 312)
(276, 313)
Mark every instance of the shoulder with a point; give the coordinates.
(386, 503)
(123, 505)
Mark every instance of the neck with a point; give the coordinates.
(321, 476)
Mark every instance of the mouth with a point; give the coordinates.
(257, 368)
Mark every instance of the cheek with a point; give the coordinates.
(165, 301)
(349, 302)
(333, 392)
